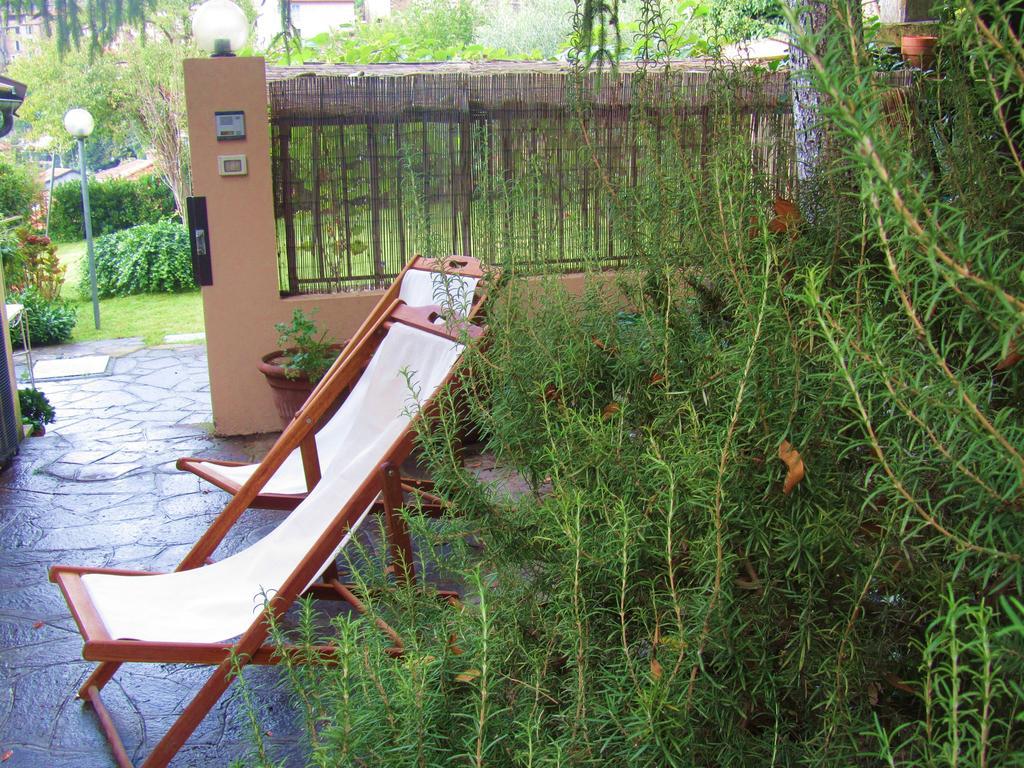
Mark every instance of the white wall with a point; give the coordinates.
(311, 18)
(377, 9)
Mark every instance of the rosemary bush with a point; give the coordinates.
(775, 510)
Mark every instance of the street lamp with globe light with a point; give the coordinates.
(79, 123)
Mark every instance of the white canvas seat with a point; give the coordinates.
(221, 600)
(417, 287)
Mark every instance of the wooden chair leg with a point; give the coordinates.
(109, 729)
(99, 678)
(398, 533)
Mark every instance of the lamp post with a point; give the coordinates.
(220, 27)
(79, 123)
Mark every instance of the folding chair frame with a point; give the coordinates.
(463, 266)
(251, 647)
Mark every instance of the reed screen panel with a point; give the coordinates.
(511, 167)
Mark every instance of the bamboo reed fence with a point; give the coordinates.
(510, 163)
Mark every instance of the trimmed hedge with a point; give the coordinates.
(149, 258)
(115, 205)
(49, 322)
(18, 189)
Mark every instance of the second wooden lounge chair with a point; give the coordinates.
(453, 282)
(191, 615)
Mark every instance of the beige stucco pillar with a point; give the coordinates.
(241, 237)
(244, 302)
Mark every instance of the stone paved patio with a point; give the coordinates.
(100, 488)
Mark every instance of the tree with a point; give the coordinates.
(134, 91)
(107, 20)
(103, 18)
(814, 27)
(157, 86)
(18, 189)
(78, 80)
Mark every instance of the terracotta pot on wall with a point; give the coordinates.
(919, 50)
(290, 394)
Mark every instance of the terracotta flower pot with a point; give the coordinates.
(290, 394)
(919, 50)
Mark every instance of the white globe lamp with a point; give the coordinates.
(79, 123)
(220, 27)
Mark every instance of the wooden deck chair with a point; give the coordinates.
(204, 611)
(453, 282)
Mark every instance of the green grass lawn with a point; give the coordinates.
(151, 316)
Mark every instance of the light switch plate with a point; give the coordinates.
(232, 165)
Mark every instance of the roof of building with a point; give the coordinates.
(127, 169)
(58, 173)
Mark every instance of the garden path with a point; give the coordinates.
(100, 488)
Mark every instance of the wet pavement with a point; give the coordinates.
(100, 489)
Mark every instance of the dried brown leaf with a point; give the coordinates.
(794, 466)
(456, 651)
(468, 676)
(898, 684)
(1012, 358)
(655, 669)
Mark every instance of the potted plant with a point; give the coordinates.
(919, 50)
(293, 370)
(36, 411)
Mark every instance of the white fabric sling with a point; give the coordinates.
(220, 601)
(419, 288)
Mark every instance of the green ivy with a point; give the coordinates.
(149, 258)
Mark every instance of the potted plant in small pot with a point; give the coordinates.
(292, 371)
(36, 411)
(919, 50)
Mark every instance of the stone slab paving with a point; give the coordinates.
(100, 488)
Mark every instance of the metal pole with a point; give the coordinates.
(49, 194)
(87, 218)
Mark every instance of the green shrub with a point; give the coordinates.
(115, 205)
(49, 322)
(428, 30)
(537, 27)
(10, 254)
(149, 258)
(35, 407)
(733, 20)
(774, 518)
(19, 189)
